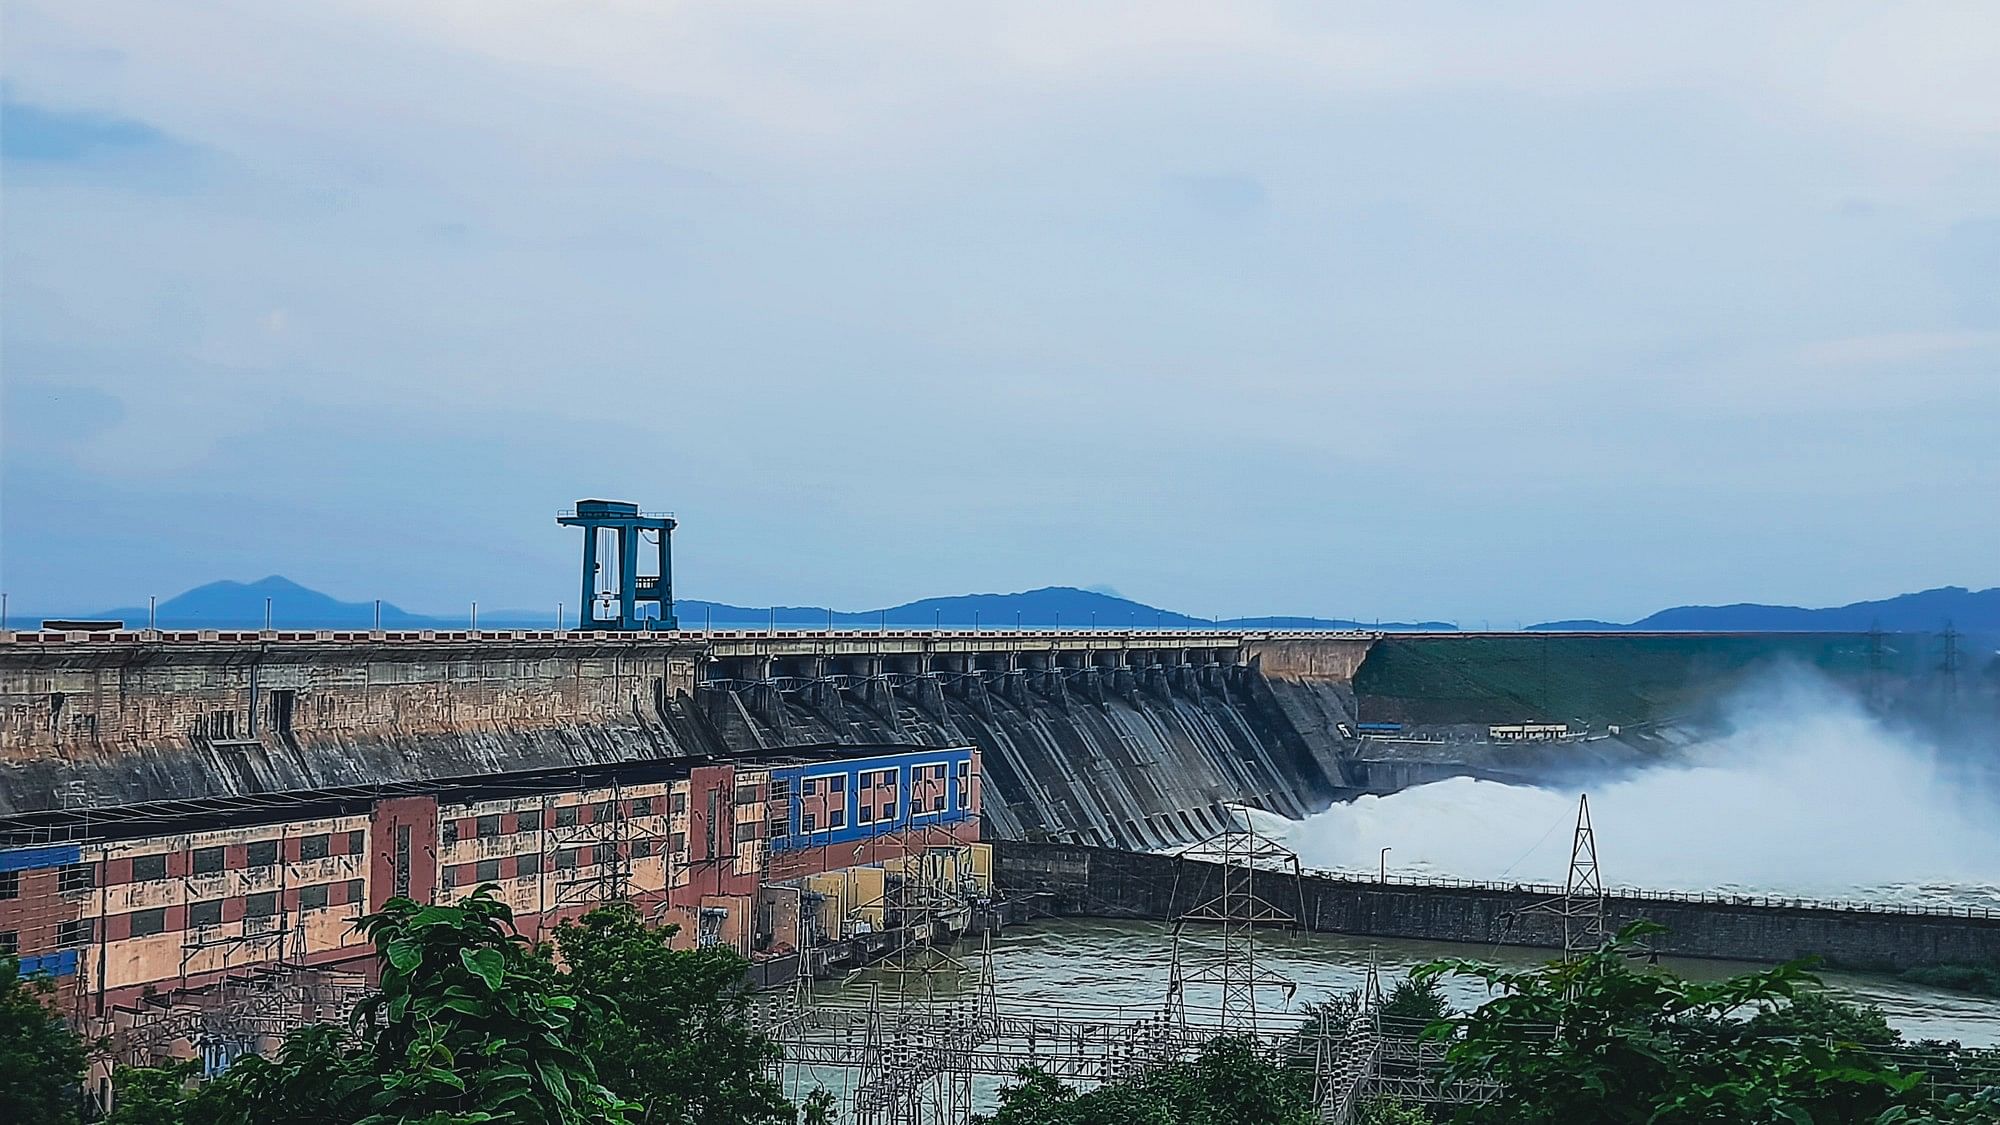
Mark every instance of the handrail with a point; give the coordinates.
(1639, 894)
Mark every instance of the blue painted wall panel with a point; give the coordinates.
(849, 772)
(34, 859)
(61, 963)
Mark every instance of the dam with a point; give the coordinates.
(190, 819)
(1132, 740)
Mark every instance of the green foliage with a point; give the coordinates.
(1964, 978)
(1415, 1000)
(469, 1026)
(151, 1095)
(818, 1108)
(41, 1060)
(1603, 1040)
(1393, 1111)
(668, 1027)
(1228, 1083)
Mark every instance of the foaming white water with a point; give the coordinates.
(1807, 797)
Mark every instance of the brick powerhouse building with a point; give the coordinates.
(146, 910)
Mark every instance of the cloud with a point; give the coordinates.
(29, 133)
(937, 292)
(1893, 348)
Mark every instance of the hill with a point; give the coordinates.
(241, 605)
(1967, 610)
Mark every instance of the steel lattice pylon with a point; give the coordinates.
(1226, 882)
(1583, 889)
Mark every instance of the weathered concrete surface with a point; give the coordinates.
(1104, 883)
(89, 726)
(1128, 739)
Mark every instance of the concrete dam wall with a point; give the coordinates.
(1129, 740)
(1100, 883)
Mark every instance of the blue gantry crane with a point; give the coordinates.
(614, 590)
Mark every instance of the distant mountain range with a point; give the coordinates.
(1973, 611)
(241, 605)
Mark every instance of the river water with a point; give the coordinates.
(1057, 965)
(1127, 963)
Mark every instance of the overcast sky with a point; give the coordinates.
(1468, 311)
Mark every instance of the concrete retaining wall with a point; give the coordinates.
(1106, 883)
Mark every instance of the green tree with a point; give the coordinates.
(1599, 1039)
(470, 1025)
(1415, 1001)
(667, 1027)
(1229, 1082)
(1394, 1111)
(41, 1060)
(151, 1095)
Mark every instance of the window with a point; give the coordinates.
(314, 897)
(487, 827)
(809, 787)
(447, 879)
(837, 783)
(448, 831)
(146, 923)
(262, 853)
(530, 864)
(147, 868)
(878, 796)
(749, 793)
(965, 785)
(566, 859)
(76, 877)
(402, 868)
(261, 905)
(316, 847)
(566, 816)
(77, 931)
(927, 788)
(10, 941)
(641, 849)
(601, 813)
(530, 821)
(281, 709)
(10, 884)
(208, 861)
(679, 843)
(681, 801)
(747, 831)
(205, 913)
(642, 806)
(486, 871)
(808, 824)
(836, 816)
(356, 842)
(353, 891)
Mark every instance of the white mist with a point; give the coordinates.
(1807, 797)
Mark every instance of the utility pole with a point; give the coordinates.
(1950, 669)
(1875, 665)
